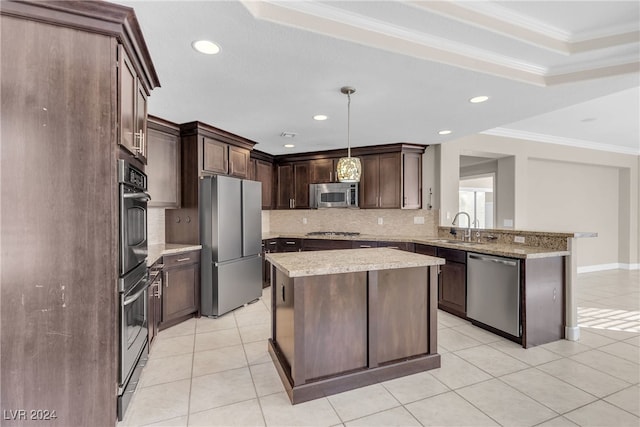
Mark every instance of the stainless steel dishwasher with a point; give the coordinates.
(493, 292)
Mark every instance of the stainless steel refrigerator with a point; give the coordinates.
(231, 237)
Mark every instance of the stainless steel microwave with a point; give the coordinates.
(333, 195)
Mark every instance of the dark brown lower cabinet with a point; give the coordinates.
(452, 283)
(180, 288)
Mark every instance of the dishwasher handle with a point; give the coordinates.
(496, 260)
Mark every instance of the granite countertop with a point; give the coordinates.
(515, 250)
(315, 263)
(155, 252)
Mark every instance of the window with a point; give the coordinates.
(476, 198)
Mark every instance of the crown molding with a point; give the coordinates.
(559, 140)
(323, 18)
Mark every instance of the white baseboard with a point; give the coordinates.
(604, 267)
(572, 333)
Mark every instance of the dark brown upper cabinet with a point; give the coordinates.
(163, 163)
(264, 174)
(215, 157)
(132, 102)
(380, 181)
(323, 171)
(293, 186)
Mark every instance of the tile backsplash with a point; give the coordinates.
(155, 226)
(394, 222)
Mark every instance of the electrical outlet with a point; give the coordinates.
(380, 221)
(518, 239)
(418, 220)
(448, 215)
(304, 220)
(508, 223)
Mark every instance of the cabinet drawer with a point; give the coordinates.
(453, 255)
(403, 246)
(184, 258)
(426, 249)
(289, 245)
(325, 244)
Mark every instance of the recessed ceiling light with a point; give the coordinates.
(289, 145)
(320, 117)
(444, 132)
(478, 99)
(205, 46)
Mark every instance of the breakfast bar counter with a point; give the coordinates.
(344, 319)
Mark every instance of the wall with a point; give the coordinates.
(396, 222)
(155, 226)
(546, 176)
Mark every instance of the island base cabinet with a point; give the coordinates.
(337, 332)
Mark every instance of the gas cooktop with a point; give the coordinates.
(333, 233)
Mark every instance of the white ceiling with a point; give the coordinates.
(547, 66)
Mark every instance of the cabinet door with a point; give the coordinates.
(389, 180)
(238, 162)
(285, 187)
(127, 101)
(369, 185)
(215, 155)
(264, 174)
(163, 169)
(322, 171)
(411, 181)
(301, 185)
(452, 289)
(141, 121)
(180, 292)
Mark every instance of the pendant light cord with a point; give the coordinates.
(349, 125)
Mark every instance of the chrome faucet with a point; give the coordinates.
(467, 233)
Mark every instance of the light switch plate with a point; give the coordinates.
(380, 221)
(304, 220)
(418, 220)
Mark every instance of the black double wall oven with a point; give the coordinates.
(133, 283)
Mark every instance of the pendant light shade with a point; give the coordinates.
(349, 168)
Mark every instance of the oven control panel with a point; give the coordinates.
(127, 174)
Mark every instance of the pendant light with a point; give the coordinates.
(349, 168)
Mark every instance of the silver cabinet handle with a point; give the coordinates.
(166, 280)
(290, 243)
(231, 168)
(330, 176)
(183, 259)
(365, 246)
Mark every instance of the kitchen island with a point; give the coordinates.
(344, 319)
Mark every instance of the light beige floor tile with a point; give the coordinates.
(532, 356)
(173, 422)
(505, 404)
(222, 359)
(623, 350)
(361, 402)
(414, 387)
(455, 341)
(166, 369)
(257, 352)
(633, 341)
(172, 346)
(612, 365)
(558, 422)
(456, 372)
(188, 327)
(584, 377)
(592, 340)
(158, 403)
(627, 399)
(614, 334)
(220, 389)
(253, 318)
(278, 411)
(242, 414)
(566, 348)
(448, 409)
(255, 332)
(206, 324)
(266, 379)
(253, 307)
(217, 339)
(548, 390)
(396, 417)
(478, 334)
(449, 320)
(600, 414)
(491, 360)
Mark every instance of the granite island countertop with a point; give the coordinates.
(515, 250)
(155, 252)
(316, 263)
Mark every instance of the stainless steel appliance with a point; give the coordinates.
(493, 292)
(333, 195)
(231, 238)
(133, 216)
(134, 280)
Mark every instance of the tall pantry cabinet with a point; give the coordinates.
(60, 136)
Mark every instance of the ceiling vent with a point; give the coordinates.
(288, 134)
